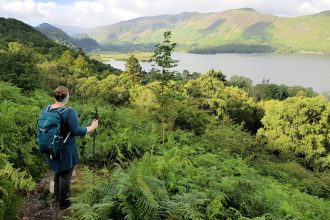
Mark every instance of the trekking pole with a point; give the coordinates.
(94, 138)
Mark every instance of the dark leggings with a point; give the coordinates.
(62, 187)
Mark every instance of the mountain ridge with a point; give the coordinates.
(55, 34)
(13, 30)
(59, 36)
(195, 31)
(71, 30)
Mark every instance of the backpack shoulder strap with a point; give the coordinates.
(62, 109)
(47, 108)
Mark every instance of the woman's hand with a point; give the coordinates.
(93, 126)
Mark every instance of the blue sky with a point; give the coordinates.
(90, 13)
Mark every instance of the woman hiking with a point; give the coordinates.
(69, 129)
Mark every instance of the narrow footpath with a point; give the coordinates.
(39, 204)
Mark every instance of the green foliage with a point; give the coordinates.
(299, 125)
(133, 68)
(18, 116)
(144, 99)
(233, 141)
(218, 75)
(12, 30)
(53, 74)
(131, 195)
(163, 58)
(299, 90)
(236, 48)
(241, 82)
(184, 185)
(123, 136)
(189, 117)
(207, 90)
(209, 165)
(10, 93)
(25, 67)
(220, 101)
(12, 180)
(18, 65)
(270, 91)
(316, 184)
(130, 138)
(279, 92)
(113, 89)
(242, 109)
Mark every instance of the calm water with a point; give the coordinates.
(307, 70)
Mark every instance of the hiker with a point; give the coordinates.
(68, 157)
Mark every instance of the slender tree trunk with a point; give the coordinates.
(163, 131)
(162, 112)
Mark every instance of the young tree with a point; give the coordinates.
(163, 60)
(133, 68)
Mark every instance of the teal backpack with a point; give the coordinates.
(48, 133)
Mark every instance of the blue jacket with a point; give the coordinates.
(70, 123)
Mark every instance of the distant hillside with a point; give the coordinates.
(15, 30)
(227, 31)
(69, 29)
(56, 34)
(59, 36)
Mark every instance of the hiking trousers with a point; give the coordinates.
(62, 190)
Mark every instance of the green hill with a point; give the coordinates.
(87, 44)
(59, 36)
(12, 30)
(56, 34)
(29, 59)
(224, 31)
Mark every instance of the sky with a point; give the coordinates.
(91, 13)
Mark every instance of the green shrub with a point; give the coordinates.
(11, 181)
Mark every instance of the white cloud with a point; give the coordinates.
(27, 6)
(87, 7)
(87, 13)
(141, 4)
(46, 9)
(308, 8)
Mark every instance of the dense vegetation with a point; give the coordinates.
(169, 146)
(12, 30)
(235, 48)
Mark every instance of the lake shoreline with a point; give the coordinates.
(307, 70)
(146, 56)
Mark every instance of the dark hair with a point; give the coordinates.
(60, 93)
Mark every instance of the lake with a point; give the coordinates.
(308, 70)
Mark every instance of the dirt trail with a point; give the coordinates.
(39, 204)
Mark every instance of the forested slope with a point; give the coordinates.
(60, 37)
